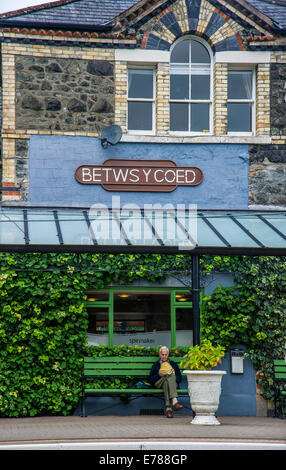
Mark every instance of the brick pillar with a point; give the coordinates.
(8, 125)
(220, 99)
(121, 76)
(263, 99)
(162, 98)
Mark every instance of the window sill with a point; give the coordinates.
(206, 139)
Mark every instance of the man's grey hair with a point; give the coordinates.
(163, 347)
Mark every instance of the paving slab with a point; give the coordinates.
(147, 428)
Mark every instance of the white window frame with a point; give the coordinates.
(142, 100)
(252, 100)
(187, 69)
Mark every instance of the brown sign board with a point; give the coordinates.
(139, 175)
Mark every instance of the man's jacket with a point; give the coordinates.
(154, 373)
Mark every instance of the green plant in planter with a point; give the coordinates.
(202, 357)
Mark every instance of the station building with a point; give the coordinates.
(123, 122)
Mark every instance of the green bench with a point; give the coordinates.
(114, 366)
(279, 367)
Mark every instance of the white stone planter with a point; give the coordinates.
(204, 390)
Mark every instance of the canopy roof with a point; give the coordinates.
(143, 231)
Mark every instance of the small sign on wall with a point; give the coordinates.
(236, 361)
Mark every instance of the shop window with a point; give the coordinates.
(141, 100)
(140, 317)
(240, 101)
(190, 87)
(151, 309)
(97, 296)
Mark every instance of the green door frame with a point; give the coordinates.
(174, 304)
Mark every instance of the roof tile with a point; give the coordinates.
(276, 10)
(89, 12)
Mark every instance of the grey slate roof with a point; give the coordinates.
(89, 12)
(101, 12)
(274, 9)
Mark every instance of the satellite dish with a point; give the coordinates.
(111, 135)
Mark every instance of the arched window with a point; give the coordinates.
(190, 87)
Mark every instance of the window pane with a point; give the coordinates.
(140, 83)
(199, 53)
(200, 87)
(239, 117)
(200, 117)
(140, 116)
(184, 326)
(142, 318)
(95, 296)
(179, 87)
(183, 297)
(97, 330)
(239, 85)
(180, 53)
(179, 117)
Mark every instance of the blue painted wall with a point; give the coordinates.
(238, 394)
(54, 159)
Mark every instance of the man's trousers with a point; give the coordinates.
(169, 385)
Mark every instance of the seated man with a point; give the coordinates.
(166, 374)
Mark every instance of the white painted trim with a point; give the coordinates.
(142, 55)
(242, 57)
(152, 56)
(203, 139)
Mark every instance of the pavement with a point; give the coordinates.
(141, 432)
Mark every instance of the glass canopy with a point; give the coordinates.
(139, 230)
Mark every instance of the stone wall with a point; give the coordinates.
(267, 163)
(21, 167)
(267, 175)
(278, 99)
(64, 94)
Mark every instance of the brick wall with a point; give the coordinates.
(220, 99)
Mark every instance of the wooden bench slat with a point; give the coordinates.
(121, 367)
(117, 372)
(280, 375)
(119, 359)
(279, 362)
(113, 366)
(130, 390)
(280, 369)
(137, 359)
(114, 373)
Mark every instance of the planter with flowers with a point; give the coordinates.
(204, 384)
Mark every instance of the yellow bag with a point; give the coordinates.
(166, 368)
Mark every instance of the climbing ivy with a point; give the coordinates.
(252, 313)
(43, 319)
(43, 323)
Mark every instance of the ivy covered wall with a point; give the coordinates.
(43, 319)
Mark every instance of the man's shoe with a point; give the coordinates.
(177, 406)
(169, 414)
